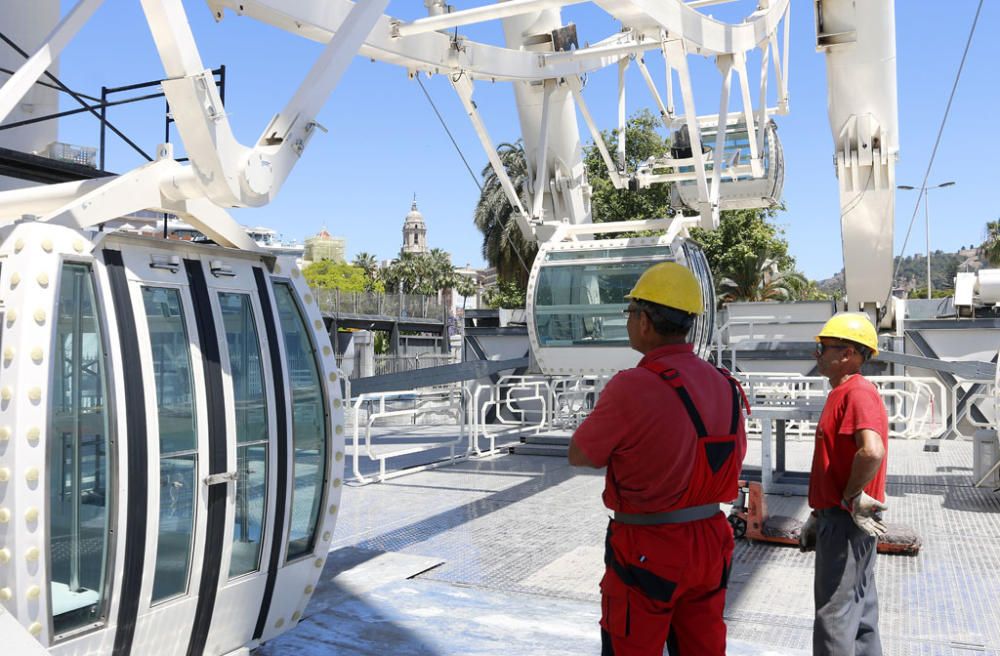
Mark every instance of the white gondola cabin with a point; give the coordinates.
(576, 295)
(740, 187)
(171, 442)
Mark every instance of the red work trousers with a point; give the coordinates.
(679, 574)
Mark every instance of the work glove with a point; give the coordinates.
(807, 534)
(866, 513)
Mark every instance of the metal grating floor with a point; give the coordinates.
(514, 531)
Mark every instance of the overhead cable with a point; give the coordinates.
(475, 180)
(937, 141)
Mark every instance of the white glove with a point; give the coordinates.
(866, 513)
(807, 534)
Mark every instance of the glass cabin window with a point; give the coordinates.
(581, 304)
(247, 376)
(78, 456)
(309, 424)
(178, 439)
(736, 146)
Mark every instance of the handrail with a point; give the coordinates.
(911, 400)
(991, 392)
(486, 397)
(424, 400)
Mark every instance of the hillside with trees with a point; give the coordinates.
(911, 272)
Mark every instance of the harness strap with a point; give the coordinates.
(699, 425)
(737, 387)
(690, 514)
(673, 378)
(735, 423)
(653, 586)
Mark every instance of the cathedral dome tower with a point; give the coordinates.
(414, 231)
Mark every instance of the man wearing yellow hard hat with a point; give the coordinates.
(671, 434)
(847, 492)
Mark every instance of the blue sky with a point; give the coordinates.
(385, 143)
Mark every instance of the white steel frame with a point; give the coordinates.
(229, 174)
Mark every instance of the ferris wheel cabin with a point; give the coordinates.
(171, 442)
(576, 297)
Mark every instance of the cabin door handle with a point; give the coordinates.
(224, 477)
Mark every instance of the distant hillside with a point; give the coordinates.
(912, 273)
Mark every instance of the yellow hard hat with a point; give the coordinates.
(669, 284)
(853, 327)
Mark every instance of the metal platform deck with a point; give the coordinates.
(502, 555)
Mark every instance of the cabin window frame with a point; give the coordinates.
(102, 302)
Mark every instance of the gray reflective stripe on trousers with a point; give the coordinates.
(692, 514)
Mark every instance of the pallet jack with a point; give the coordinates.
(749, 519)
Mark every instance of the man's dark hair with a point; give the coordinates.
(667, 321)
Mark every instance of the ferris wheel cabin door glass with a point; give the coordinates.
(247, 376)
(178, 439)
(309, 423)
(78, 458)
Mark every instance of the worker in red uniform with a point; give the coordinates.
(671, 434)
(847, 492)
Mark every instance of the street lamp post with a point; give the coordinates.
(925, 191)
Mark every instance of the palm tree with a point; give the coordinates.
(504, 247)
(367, 262)
(442, 273)
(990, 248)
(758, 279)
(464, 287)
(415, 274)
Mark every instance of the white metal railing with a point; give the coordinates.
(990, 394)
(422, 403)
(911, 402)
(335, 302)
(394, 364)
(507, 397)
(532, 404)
(572, 399)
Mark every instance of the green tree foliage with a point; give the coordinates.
(743, 233)
(367, 263)
(505, 294)
(335, 275)
(803, 289)
(504, 247)
(921, 292)
(990, 247)
(758, 278)
(420, 273)
(464, 287)
(642, 141)
(912, 271)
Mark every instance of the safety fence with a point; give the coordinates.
(984, 396)
(394, 364)
(915, 405)
(411, 407)
(476, 419)
(404, 306)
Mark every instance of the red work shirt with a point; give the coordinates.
(851, 406)
(641, 428)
